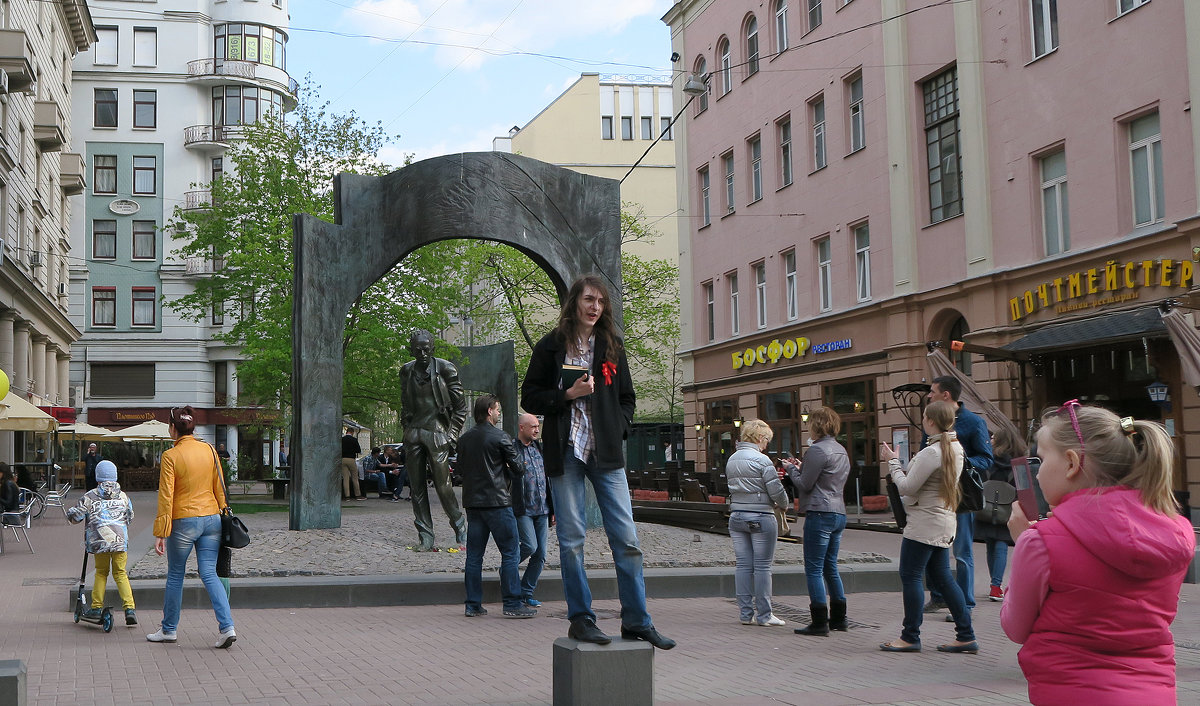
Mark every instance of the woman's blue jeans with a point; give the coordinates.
(616, 509)
(822, 540)
(997, 559)
(754, 536)
(915, 558)
(203, 533)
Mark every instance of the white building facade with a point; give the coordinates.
(157, 102)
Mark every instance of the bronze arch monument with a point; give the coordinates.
(566, 222)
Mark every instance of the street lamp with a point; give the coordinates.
(696, 85)
(1157, 391)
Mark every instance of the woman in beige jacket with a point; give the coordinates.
(930, 493)
(190, 497)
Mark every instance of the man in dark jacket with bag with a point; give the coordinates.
(487, 460)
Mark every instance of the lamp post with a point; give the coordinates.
(1158, 392)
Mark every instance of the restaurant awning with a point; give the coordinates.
(1187, 343)
(18, 415)
(1108, 328)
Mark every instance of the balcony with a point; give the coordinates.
(197, 266)
(209, 138)
(214, 72)
(48, 130)
(16, 59)
(72, 174)
(197, 200)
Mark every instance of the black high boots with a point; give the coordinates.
(837, 616)
(820, 621)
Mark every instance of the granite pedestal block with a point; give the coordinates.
(12, 682)
(618, 673)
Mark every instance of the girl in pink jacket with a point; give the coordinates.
(1094, 588)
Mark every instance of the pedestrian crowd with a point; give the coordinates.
(1099, 548)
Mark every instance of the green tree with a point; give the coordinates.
(274, 170)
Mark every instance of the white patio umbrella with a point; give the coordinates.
(85, 432)
(18, 415)
(152, 430)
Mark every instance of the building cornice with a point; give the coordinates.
(79, 23)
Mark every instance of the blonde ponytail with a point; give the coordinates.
(941, 414)
(1153, 467)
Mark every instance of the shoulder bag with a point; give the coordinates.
(971, 485)
(998, 498)
(234, 534)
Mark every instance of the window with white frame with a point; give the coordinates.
(725, 73)
(666, 112)
(626, 127)
(104, 107)
(727, 169)
(145, 109)
(942, 146)
(144, 237)
(1124, 6)
(756, 185)
(705, 201)
(104, 239)
(143, 306)
(1056, 224)
(606, 127)
(1145, 160)
(785, 151)
(145, 46)
(858, 128)
(760, 293)
(105, 50)
(735, 319)
(625, 101)
(710, 311)
(781, 28)
(647, 127)
(814, 14)
(790, 297)
(824, 274)
(816, 110)
(1044, 25)
(664, 128)
(700, 71)
(751, 47)
(862, 261)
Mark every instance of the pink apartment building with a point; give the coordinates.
(862, 177)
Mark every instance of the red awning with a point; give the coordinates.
(64, 415)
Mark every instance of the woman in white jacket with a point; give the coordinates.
(754, 492)
(930, 493)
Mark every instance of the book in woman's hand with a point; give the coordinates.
(571, 373)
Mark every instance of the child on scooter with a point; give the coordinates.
(108, 511)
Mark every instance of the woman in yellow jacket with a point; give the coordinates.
(190, 498)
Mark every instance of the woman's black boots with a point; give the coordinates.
(820, 620)
(837, 616)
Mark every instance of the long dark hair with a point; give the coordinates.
(568, 317)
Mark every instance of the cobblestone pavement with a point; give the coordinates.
(376, 536)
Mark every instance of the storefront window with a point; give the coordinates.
(779, 410)
(721, 433)
(854, 401)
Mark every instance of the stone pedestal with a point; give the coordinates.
(12, 682)
(618, 673)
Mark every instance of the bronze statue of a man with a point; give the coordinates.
(433, 410)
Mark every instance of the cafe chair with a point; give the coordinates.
(19, 520)
(56, 498)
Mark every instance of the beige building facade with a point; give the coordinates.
(39, 172)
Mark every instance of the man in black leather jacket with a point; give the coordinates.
(488, 462)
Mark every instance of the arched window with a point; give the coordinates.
(781, 27)
(751, 46)
(700, 71)
(726, 71)
(961, 359)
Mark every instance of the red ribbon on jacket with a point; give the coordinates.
(608, 370)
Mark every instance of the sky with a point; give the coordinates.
(444, 76)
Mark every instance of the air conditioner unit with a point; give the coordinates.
(62, 289)
(35, 260)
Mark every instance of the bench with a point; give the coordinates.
(278, 486)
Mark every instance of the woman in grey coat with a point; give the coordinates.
(819, 483)
(754, 492)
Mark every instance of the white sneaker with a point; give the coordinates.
(772, 620)
(161, 636)
(749, 622)
(225, 639)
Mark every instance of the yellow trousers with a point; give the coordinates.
(114, 561)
